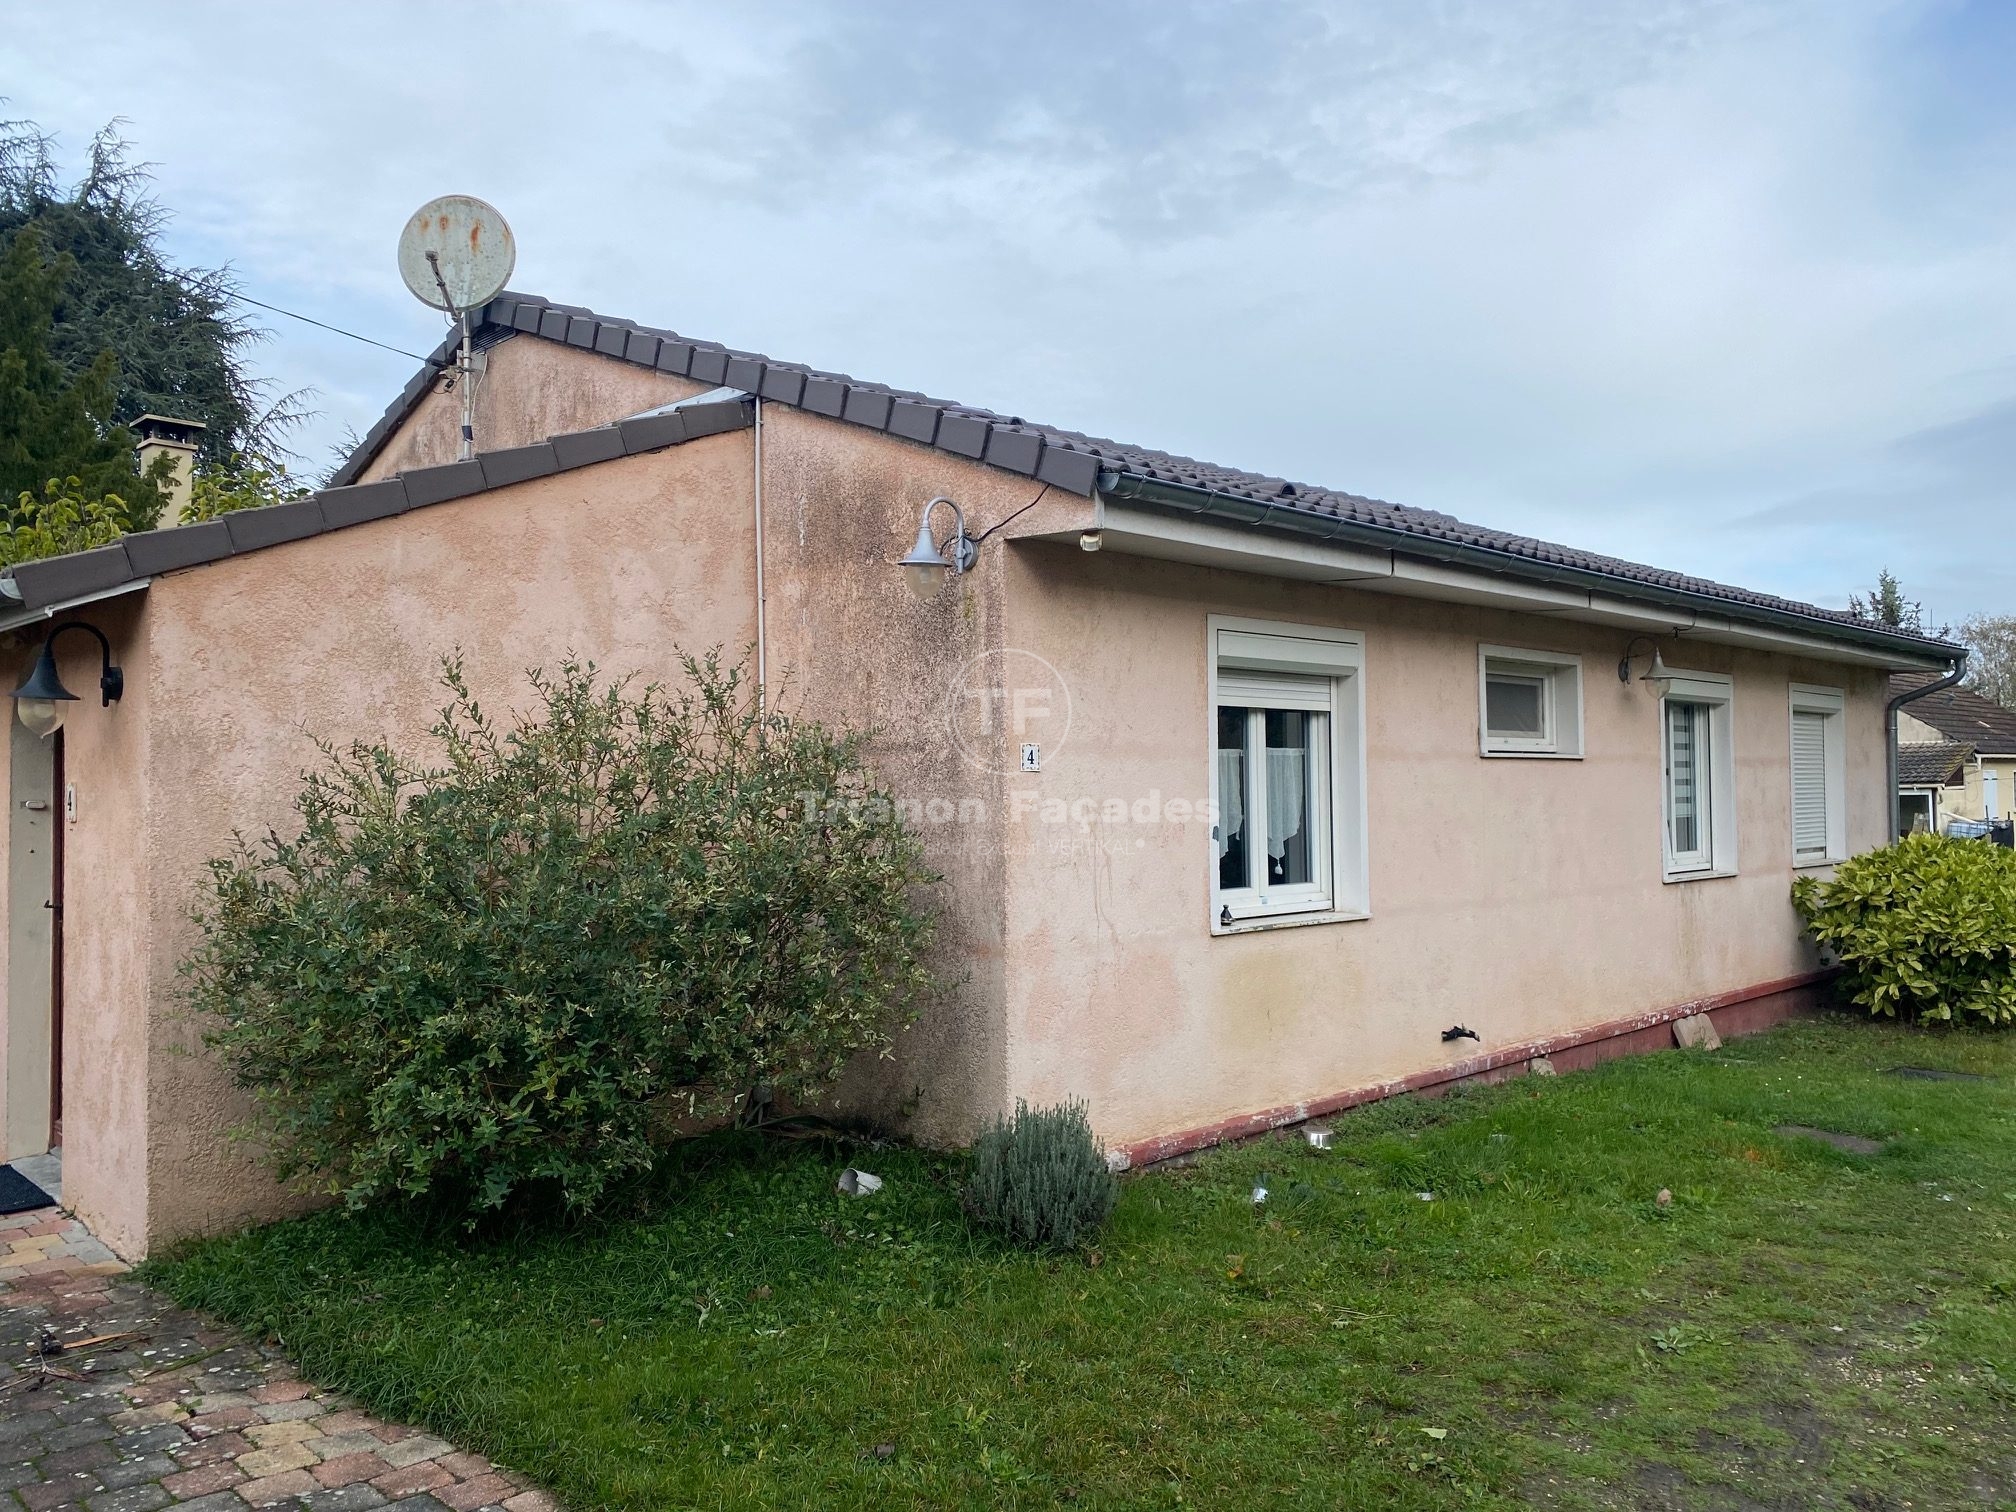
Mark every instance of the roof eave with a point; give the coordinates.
(34, 589)
(1288, 516)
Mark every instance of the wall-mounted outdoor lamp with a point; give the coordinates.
(39, 701)
(1655, 673)
(929, 564)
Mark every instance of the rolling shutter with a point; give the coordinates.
(1809, 784)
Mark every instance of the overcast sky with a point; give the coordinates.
(1726, 287)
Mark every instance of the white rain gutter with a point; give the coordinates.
(14, 619)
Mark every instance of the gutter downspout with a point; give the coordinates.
(762, 648)
(1890, 732)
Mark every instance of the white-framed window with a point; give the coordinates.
(1287, 773)
(1819, 776)
(1917, 810)
(1529, 703)
(1698, 759)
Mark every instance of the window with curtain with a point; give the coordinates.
(1287, 774)
(1274, 799)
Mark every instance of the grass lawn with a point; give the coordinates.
(1799, 1328)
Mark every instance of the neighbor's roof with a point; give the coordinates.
(1960, 714)
(1930, 763)
(1067, 460)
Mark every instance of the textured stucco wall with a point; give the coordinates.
(849, 643)
(1519, 897)
(342, 636)
(25, 777)
(533, 389)
(107, 955)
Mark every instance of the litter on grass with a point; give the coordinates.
(858, 1183)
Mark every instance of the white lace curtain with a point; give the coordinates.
(1287, 793)
(1231, 797)
(1286, 786)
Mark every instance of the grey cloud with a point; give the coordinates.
(1171, 119)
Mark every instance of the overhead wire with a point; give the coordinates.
(233, 294)
(311, 320)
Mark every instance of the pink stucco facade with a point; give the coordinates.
(1522, 898)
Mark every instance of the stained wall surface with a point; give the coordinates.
(1519, 897)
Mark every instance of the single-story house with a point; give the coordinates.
(1174, 737)
(1931, 783)
(1961, 746)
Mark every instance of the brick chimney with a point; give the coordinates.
(160, 435)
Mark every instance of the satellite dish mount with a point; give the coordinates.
(456, 254)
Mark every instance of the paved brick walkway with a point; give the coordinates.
(145, 1405)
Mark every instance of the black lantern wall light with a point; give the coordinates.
(39, 701)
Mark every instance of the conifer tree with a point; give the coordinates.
(57, 425)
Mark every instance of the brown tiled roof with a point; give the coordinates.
(1067, 460)
(1081, 464)
(1960, 714)
(1930, 763)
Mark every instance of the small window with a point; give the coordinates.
(1697, 759)
(1531, 702)
(1286, 774)
(1819, 807)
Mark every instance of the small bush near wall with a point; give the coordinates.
(1925, 928)
(1040, 1178)
(517, 967)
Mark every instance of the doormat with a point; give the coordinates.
(20, 1195)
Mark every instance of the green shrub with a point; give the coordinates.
(1040, 1178)
(1925, 928)
(521, 965)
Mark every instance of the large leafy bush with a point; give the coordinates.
(521, 965)
(1040, 1178)
(1925, 928)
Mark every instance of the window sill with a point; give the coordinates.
(1262, 922)
(1699, 876)
(1817, 865)
(1491, 754)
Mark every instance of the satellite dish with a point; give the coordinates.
(456, 253)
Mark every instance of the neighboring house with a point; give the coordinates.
(1187, 744)
(1982, 782)
(1931, 782)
